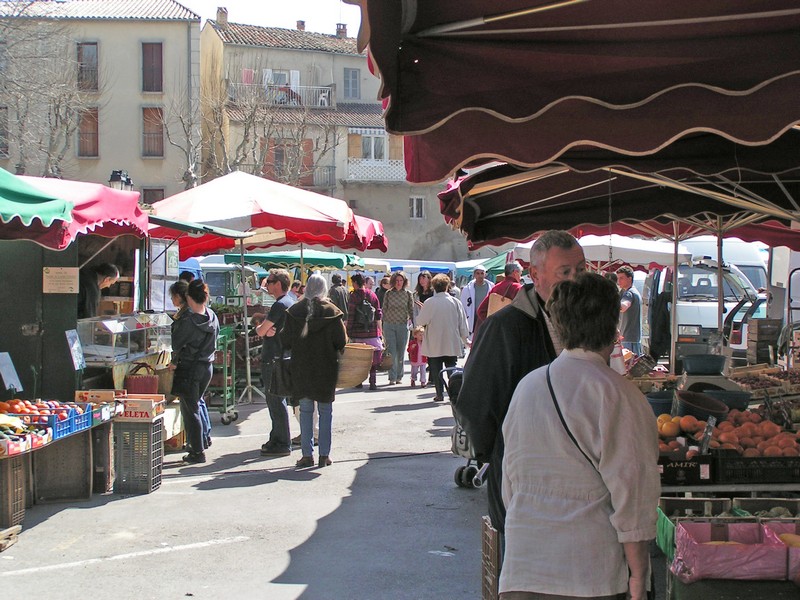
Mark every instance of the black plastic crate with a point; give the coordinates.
(695, 471)
(12, 491)
(138, 456)
(731, 467)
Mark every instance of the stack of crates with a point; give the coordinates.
(12, 491)
(490, 560)
(138, 455)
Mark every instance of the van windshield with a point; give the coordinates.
(700, 283)
(756, 274)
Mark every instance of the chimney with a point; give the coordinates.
(341, 30)
(222, 16)
(301, 26)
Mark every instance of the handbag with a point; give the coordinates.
(141, 384)
(386, 361)
(496, 302)
(281, 380)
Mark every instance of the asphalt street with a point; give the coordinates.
(385, 521)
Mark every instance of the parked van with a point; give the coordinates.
(745, 255)
(697, 309)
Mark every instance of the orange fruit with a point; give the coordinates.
(670, 429)
(747, 442)
(751, 452)
(790, 452)
(728, 437)
(786, 442)
(773, 451)
(663, 418)
(688, 424)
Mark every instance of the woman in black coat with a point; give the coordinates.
(315, 334)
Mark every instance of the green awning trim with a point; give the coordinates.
(20, 200)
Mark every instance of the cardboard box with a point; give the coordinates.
(142, 407)
(98, 395)
(12, 447)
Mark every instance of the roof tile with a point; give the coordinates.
(155, 10)
(275, 37)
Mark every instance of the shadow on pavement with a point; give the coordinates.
(424, 541)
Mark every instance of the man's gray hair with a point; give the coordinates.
(316, 287)
(511, 268)
(549, 239)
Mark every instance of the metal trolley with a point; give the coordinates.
(472, 474)
(221, 395)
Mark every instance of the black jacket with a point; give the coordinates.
(194, 337)
(508, 345)
(339, 296)
(315, 352)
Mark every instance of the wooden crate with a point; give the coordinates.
(64, 471)
(764, 330)
(490, 560)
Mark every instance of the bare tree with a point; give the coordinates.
(267, 130)
(40, 88)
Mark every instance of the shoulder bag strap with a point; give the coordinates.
(563, 422)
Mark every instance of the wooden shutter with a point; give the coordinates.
(395, 147)
(152, 80)
(354, 145)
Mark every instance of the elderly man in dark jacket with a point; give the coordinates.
(510, 344)
(338, 294)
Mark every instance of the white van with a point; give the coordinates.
(697, 309)
(745, 255)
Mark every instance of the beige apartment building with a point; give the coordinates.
(95, 86)
(302, 108)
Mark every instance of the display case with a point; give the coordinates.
(122, 338)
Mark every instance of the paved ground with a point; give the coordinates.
(385, 521)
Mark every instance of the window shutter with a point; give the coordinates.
(247, 76)
(267, 75)
(354, 145)
(294, 80)
(395, 147)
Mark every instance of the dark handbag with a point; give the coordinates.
(281, 379)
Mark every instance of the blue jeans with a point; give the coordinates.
(189, 384)
(205, 421)
(396, 336)
(325, 410)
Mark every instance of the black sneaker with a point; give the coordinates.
(271, 450)
(194, 458)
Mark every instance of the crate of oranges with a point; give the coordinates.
(680, 461)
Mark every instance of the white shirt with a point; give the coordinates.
(566, 520)
(446, 325)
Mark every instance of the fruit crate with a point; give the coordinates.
(12, 491)
(731, 467)
(671, 509)
(84, 420)
(138, 456)
(490, 560)
(60, 428)
(754, 505)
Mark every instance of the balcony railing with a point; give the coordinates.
(311, 96)
(318, 177)
(364, 169)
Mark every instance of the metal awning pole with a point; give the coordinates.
(673, 317)
(720, 279)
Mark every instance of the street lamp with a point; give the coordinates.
(120, 180)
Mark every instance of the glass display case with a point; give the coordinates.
(122, 338)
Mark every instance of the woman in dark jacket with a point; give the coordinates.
(194, 342)
(178, 291)
(316, 335)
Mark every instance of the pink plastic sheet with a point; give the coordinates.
(760, 554)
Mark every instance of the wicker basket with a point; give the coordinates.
(165, 379)
(354, 365)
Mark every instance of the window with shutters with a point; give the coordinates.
(152, 67)
(416, 206)
(3, 132)
(352, 80)
(88, 133)
(152, 132)
(87, 66)
(152, 195)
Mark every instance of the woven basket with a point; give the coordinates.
(354, 365)
(165, 377)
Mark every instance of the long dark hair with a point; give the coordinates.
(421, 290)
(198, 291)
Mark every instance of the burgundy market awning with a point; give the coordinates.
(98, 209)
(468, 85)
(594, 186)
